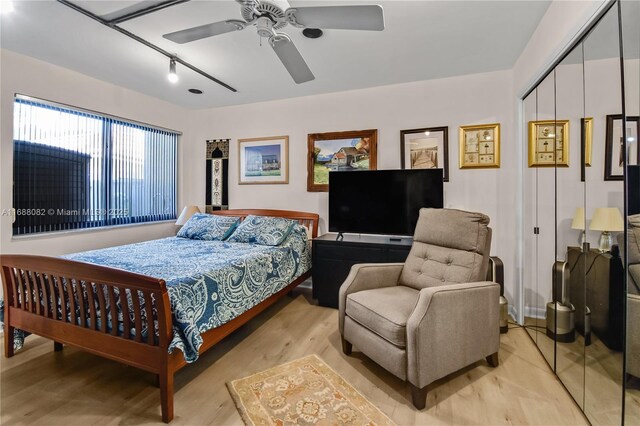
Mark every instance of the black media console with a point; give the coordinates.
(332, 260)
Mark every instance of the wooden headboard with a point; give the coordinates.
(308, 220)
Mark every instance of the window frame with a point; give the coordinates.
(108, 122)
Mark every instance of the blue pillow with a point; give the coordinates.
(208, 227)
(263, 230)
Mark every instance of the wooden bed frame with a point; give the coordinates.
(33, 286)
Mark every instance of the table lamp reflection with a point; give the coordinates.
(607, 220)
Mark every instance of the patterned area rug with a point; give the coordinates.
(305, 392)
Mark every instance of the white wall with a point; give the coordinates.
(27, 76)
(559, 26)
(452, 102)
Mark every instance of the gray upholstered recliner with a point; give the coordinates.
(432, 315)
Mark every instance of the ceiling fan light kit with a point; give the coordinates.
(270, 16)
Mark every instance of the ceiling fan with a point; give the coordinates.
(271, 16)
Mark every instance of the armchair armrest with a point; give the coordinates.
(633, 334)
(367, 276)
(634, 273)
(451, 327)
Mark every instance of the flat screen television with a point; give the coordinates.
(382, 201)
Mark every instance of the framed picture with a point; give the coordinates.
(353, 150)
(586, 140)
(426, 148)
(587, 127)
(549, 143)
(615, 147)
(263, 160)
(480, 146)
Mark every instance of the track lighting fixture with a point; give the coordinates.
(173, 77)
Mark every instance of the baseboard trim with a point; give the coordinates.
(535, 312)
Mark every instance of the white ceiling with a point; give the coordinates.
(422, 40)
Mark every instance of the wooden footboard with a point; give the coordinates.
(79, 304)
(105, 310)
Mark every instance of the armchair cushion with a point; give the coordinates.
(366, 276)
(449, 247)
(384, 311)
(429, 266)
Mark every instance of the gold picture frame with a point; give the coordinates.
(263, 160)
(549, 147)
(588, 138)
(480, 146)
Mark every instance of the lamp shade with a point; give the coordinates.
(187, 212)
(578, 219)
(607, 219)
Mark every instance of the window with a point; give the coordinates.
(74, 169)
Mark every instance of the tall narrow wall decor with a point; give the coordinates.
(217, 185)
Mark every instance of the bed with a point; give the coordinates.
(160, 325)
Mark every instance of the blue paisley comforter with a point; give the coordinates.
(209, 282)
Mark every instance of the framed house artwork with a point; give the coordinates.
(346, 151)
(263, 160)
(615, 146)
(480, 146)
(549, 143)
(426, 148)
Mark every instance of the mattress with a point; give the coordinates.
(209, 282)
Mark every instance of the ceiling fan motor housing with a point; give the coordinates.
(264, 9)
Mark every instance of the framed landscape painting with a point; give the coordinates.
(426, 148)
(263, 160)
(346, 151)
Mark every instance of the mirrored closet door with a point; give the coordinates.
(540, 199)
(566, 316)
(604, 300)
(630, 24)
(581, 157)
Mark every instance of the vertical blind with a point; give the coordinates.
(74, 169)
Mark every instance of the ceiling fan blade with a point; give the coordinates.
(369, 17)
(204, 31)
(292, 59)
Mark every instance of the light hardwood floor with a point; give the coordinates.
(593, 375)
(39, 386)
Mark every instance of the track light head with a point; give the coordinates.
(172, 76)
